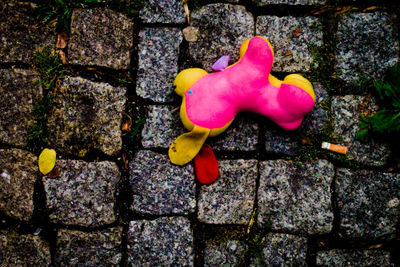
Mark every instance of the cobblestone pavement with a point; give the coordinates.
(280, 199)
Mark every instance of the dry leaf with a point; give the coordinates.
(54, 173)
(125, 161)
(62, 40)
(370, 8)
(62, 56)
(187, 12)
(317, 12)
(341, 10)
(47, 160)
(375, 246)
(127, 126)
(288, 53)
(297, 32)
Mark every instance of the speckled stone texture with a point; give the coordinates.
(230, 199)
(230, 253)
(283, 250)
(83, 194)
(291, 38)
(343, 257)
(100, 37)
(369, 203)
(18, 170)
(166, 11)
(166, 241)
(223, 28)
(23, 250)
(158, 63)
(100, 248)
(296, 197)
(346, 117)
(87, 117)
(163, 126)
(289, 2)
(159, 188)
(357, 57)
(19, 90)
(21, 34)
(279, 141)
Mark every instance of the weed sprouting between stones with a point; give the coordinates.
(49, 67)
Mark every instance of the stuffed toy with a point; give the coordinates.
(212, 100)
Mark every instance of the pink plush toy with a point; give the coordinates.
(211, 101)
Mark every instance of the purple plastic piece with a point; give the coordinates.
(221, 63)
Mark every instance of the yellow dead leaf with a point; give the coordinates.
(47, 160)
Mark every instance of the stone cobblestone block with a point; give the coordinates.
(164, 241)
(296, 198)
(343, 257)
(357, 57)
(21, 33)
(289, 2)
(223, 28)
(83, 193)
(99, 248)
(87, 117)
(291, 38)
(230, 199)
(230, 253)
(282, 250)
(101, 37)
(19, 90)
(23, 250)
(167, 11)
(346, 117)
(18, 170)
(369, 203)
(158, 63)
(159, 187)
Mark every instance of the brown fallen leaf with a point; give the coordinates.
(54, 173)
(288, 53)
(127, 125)
(297, 32)
(62, 40)
(370, 8)
(62, 56)
(187, 12)
(341, 10)
(125, 161)
(375, 246)
(320, 11)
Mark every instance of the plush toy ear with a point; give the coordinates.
(186, 78)
(188, 145)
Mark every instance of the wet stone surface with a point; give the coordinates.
(289, 2)
(230, 199)
(342, 257)
(291, 38)
(158, 63)
(346, 117)
(21, 34)
(282, 250)
(100, 248)
(230, 253)
(294, 197)
(223, 28)
(368, 202)
(19, 91)
(279, 141)
(18, 170)
(83, 194)
(100, 37)
(23, 250)
(164, 241)
(159, 188)
(357, 57)
(170, 11)
(87, 117)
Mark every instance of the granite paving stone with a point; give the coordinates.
(99, 248)
(343, 257)
(167, 11)
(282, 250)
(83, 194)
(369, 203)
(357, 58)
(290, 2)
(19, 92)
(166, 241)
(158, 63)
(160, 188)
(101, 37)
(223, 28)
(23, 250)
(291, 38)
(296, 197)
(87, 117)
(230, 253)
(18, 171)
(230, 199)
(346, 117)
(21, 33)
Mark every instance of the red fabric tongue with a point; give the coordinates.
(206, 165)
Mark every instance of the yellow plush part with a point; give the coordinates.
(186, 78)
(301, 82)
(188, 145)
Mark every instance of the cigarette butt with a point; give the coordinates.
(336, 148)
